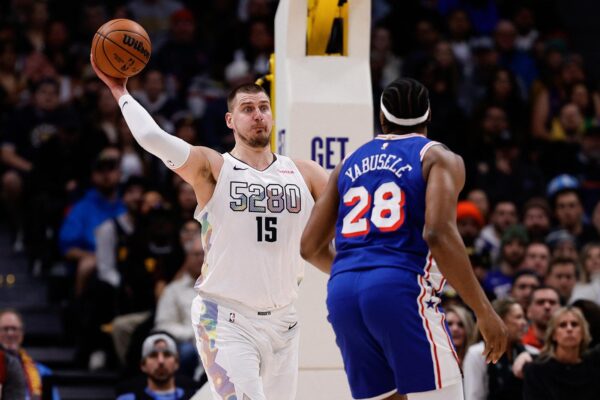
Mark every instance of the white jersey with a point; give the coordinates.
(251, 229)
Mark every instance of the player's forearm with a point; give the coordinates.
(172, 150)
(322, 258)
(448, 251)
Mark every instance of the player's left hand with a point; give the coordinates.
(495, 335)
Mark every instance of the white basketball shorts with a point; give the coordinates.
(247, 355)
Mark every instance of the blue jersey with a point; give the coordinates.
(381, 214)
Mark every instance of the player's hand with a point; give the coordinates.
(113, 83)
(494, 335)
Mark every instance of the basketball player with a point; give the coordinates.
(392, 208)
(252, 205)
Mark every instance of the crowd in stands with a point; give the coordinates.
(507, 93)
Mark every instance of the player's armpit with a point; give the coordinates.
(315, 245)
(203, 165)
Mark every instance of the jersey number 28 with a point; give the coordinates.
(386, 205)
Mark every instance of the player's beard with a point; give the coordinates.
(256, 141)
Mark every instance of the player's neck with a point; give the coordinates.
(257, 158)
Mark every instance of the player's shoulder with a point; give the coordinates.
(438, 152)
(307, 165)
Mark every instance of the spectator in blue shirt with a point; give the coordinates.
(76, 240)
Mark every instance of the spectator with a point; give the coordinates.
(589, 286)
(591, 313)
(113, 235)
(12, 379)
(152, 261)
(186, 201)
(544, 301)
(173, 308)
(527, 34)
(154, 16)
(562, 276)
(182, 56)
(519, 62)
(492, 122)
(11, 339)
(484, 14)
(189, 230)
(569, 125)
(459, 32)
(587, 168)
(159, 364)
(504, 91)
(462, 329)
(569, 213)
(496, 381)
(564, 370)
(503, 215)
(100, 203)
(154, 97)
(507, 171)
(24, 133)
(536, 218)
(480, 198)
(562, 244)
(512, 251)
(537, 258)
(524, 283)
(469, 221)
(382, 50)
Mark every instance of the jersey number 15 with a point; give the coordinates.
(386, 205)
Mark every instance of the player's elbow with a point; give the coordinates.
(308, 248)
(435, 236)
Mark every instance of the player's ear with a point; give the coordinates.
(228, 120)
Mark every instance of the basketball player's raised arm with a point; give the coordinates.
(315, 245)
(173, 151)
(444, 173)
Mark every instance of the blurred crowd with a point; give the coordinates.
(84, 203)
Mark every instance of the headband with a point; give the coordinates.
(404, 121)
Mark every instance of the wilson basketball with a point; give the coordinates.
(121, 48)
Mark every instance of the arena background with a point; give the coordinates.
(513, 88)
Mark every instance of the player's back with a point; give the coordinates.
(381, 213)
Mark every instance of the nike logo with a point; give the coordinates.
(235, 167)
(124, 104)
(292, 326)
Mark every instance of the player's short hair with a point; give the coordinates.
(251, 88)
(405, 106)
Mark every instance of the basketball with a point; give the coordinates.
(121, 48)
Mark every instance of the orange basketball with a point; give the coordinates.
(121, 48)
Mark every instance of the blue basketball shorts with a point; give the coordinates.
(391, 332)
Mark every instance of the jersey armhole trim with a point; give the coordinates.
(426, 148)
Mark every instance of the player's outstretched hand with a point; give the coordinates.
(494, 335)
(111, 82)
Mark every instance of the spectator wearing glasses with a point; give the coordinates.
(11, 339)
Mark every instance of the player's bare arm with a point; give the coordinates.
(314, 175)
(444, 173)
(199, 166)
(315, 245)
